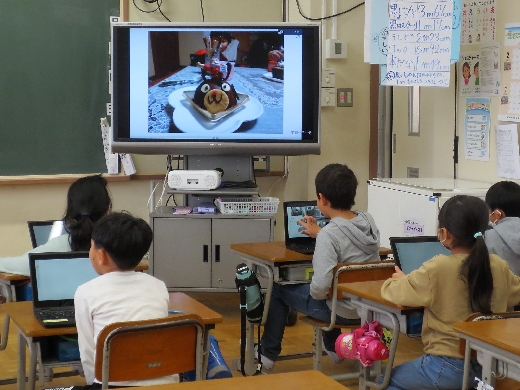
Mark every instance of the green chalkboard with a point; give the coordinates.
(54, 66)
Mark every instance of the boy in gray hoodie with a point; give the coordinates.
(502, 238)
(349, 237)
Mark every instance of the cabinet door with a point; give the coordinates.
(182, 251)
(234, 231)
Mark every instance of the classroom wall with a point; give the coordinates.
(345, 131)
(507, 12)
(432, 151)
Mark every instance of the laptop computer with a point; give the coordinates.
(294, 238)
(411, 252)
(43, 231)
(55, 278)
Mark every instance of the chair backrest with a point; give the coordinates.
(361, 272)
(484, 317)
(356, 272)
(140, 350)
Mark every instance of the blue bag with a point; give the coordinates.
(217, 367)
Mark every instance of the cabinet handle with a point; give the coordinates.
(217, 253)
(205, 257)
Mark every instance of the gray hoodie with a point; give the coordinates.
(504, 240)
(343, 241)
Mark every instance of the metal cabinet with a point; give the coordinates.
(193, 251)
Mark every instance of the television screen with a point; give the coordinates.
(210, 89)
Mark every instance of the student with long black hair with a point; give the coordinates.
(450, 288)
(88, 200)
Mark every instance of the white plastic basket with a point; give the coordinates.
(254, 205)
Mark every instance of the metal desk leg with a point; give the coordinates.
(205, 355)
(467, 355)
(10, 296)
(33, 346)
(5, 332)
(21, 361)
(489, 363)
(366, 313)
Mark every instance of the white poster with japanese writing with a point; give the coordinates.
(476, 129)
(479, 71)
(509, 109)
(419, 43)
(508, 155)
(488, 71)
(478, 21)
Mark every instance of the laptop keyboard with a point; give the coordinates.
(302, 248)
(57, 315)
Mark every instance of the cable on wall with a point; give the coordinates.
(329, 16)
(158, 2)
(202, 10)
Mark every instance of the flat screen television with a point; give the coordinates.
(267, 79)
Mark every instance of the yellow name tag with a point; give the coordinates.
(58, 320)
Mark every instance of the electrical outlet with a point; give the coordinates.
(328, 78)
(328, 97)
(345, 97)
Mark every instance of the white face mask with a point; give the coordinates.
(494, 223)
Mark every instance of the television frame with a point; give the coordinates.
(121, 142)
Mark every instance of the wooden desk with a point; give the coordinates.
(268, 260)
(366, 296)
(300, 380)
(8, 283)
(496, 339)
(30, 330)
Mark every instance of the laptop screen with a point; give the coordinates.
(297, 210)
(43, 231)
(411, 252)
(56, 276)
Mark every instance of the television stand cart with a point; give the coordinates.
(192, 252)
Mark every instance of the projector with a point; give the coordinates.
(193, 180)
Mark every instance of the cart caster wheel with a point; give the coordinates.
(292, 317)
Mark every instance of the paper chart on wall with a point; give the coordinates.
(479, 71)
(377, 30)
(508, 153)
(476, 129)
(478, 22)
(419, 43)
(509, 109)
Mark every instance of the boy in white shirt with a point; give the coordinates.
(119, 242)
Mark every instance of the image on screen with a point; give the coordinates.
(296, 213)
(246, 84)
(52, 285)
(413, 254)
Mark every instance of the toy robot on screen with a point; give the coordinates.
(364, 344)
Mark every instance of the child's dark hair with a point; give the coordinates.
(125, 238)
(87, 201)
(338, 185)
(466, 218)
(504, 195)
